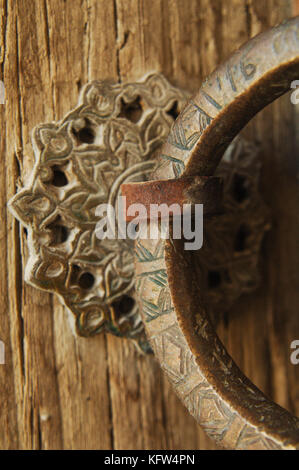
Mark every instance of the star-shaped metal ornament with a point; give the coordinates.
(113, 136)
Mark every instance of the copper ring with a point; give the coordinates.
(229, 407)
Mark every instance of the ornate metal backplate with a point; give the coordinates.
(112, 137)
(228, 261)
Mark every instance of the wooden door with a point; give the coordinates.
(60, 391)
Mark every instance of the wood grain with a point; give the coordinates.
(60, 391)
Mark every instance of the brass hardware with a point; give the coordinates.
(110, 138)
(227, 405)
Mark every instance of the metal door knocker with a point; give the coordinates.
(112, 137)
(132, 136)
(226, 404)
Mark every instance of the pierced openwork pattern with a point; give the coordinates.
(227, 263)
(108, 139)
(112, 137)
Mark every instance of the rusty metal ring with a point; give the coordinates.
(228, 406)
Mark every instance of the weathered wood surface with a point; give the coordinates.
(58, 391)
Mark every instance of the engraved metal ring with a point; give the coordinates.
(229, 407)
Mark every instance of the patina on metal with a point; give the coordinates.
(180, 191)
(113, 136)
(226, 404)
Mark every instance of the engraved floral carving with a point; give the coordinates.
(109, 138)
(112, 137)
